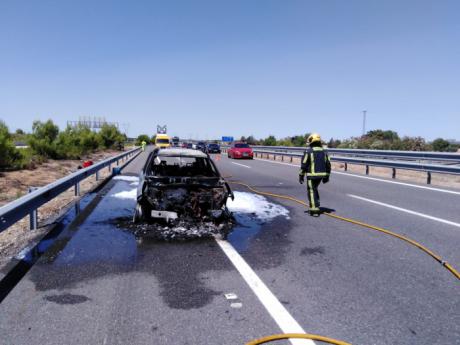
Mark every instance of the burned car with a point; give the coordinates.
(177, 184)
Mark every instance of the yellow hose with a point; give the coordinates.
(404, 238)
(296, 336)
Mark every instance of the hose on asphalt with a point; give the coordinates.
(445, 264)
(276, 337)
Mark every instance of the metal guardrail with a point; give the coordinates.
(408, 155)
(387, 163)
(28, 204)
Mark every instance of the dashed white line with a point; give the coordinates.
(274, 307)
(242, 165)
(406, 211)
(372, 178)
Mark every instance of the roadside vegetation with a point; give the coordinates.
(141, 138)
(374, 140)
(47, 141)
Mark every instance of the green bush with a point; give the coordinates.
(443, 145)
(141, 138)
(42, 141)
(9, 155)
(111, 136)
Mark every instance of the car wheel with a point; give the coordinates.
(141, 214)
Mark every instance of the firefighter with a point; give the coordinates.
(317, 166)
(143, 143)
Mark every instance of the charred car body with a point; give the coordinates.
(178, 184)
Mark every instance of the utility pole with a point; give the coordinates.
(364, 121)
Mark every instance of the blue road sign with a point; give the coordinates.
(227, 139)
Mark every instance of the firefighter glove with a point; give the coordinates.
(301, 179)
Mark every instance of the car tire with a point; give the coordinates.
(141, 214)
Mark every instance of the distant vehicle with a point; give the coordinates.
(240, 150)
(184, 145)
(213, 148)
(177, 184)
(190, 146)
(175, 141)
(201, 146)
(162, 141)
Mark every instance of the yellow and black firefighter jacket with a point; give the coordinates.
(315, 163)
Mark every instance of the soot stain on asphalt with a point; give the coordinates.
(312, 251)
(67, 298)
(105, 246)
(182, 270)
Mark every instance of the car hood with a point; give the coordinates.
(243, 149)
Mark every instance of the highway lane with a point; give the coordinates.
(99, 285)
(442, 238)
(352, 283)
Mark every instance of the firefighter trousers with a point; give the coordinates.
(313, 194)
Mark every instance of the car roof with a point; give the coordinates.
(181, 152)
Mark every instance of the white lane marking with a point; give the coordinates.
(242, 165)
(373, 178)
(406, 211)
(274, 307)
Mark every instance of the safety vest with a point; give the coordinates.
(315, 163)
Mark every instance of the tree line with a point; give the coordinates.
(374, 140)
(47, 141)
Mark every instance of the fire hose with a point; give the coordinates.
(276, 337)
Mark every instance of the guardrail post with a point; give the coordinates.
(274, 157)
(282, 158)
(33, 215)
(393, 175)
(97, 175)
(77, 207)
(77, 189)
(118, 163)
(367, 169)
(428, 177)
(292, 159)
(110, 167)
(346, 166)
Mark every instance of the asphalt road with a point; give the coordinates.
(99, 285)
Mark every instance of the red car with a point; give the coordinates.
(240, 150)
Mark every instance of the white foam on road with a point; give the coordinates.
(258, 205)
(126, 194)
(126, 178)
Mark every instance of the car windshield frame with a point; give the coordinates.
(242, 146)
(188, 166)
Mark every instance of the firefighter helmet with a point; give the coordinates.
(314, 138)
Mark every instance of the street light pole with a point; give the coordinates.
(364, 121)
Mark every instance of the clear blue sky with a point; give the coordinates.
(212, 68)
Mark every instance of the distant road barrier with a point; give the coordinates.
(28, 204)
(384, 154)
(386, 159)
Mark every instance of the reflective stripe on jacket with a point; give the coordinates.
(315, 163)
